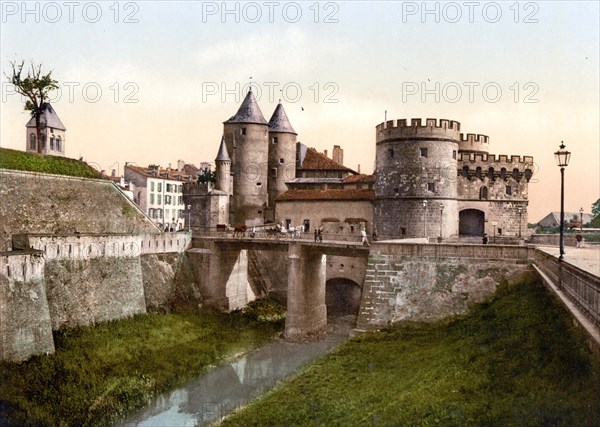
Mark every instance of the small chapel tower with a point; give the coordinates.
(52, 137)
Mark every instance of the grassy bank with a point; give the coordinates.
(515, 360)
(99, 374)
(20, 160)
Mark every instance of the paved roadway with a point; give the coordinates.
(587, 258)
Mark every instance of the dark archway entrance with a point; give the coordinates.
(342, 297)
(471, 222)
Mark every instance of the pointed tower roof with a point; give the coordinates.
(279, 121)
(223, 155)
(249, 112)
(49, 118)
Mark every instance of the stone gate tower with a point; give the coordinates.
(415, 187)
(433, 181)
(247, 140)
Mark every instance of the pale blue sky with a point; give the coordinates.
(366, 61)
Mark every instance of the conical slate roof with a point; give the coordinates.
(279, 121)
(223, 155)
(49, 118)
(249, 112)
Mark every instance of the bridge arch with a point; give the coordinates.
(471, 222)
(342, 296)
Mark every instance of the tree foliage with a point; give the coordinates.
(35, 86)
(206, 176)
(596, 208)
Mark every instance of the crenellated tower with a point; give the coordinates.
(415, 187)
(282, 156)
(246, 137)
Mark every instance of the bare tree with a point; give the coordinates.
(35, 86)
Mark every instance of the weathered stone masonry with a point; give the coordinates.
(49, 282)
(427, 282)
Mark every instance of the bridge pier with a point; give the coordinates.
(306, 309)
(222, 274)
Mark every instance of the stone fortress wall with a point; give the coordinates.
(76, 252)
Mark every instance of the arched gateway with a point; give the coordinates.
(471, 222)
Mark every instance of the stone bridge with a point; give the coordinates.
(223, 266)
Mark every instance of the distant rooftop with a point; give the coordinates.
(328, 194)
(155, 171)
(313, 160)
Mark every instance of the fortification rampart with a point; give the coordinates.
(55, 204)
(83, 247)
(24, 314)
(417, 282)
(433, 128)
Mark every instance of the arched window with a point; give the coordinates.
(503, 173)
(465, 171)
(516, 174)
(32, 141)
(483, 193)
(491, 174)
(52, 142)
(528, 174)
(43, 141)
(478, 172)
(58, 144)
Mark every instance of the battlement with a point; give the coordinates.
(437, 128)
(493, 158)
(474, 138)
(473, 142)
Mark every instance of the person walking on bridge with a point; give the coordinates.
(363, 235)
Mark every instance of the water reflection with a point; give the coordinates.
(231, 386)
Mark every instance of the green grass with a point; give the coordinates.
(99, 374)
(513, 361)
(20, 160)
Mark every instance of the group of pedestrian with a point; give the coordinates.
(170, 227)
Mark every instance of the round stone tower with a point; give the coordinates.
(246, 138)
(282, 156)
(416, 171)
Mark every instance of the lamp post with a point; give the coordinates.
(424, 218)
(520, 219)
(562, 160)
(441, 220)
(581, 220)
(189, 207)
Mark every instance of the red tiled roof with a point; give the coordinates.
(174, 175)
(328, 194)
(315, 160)
(360, 179)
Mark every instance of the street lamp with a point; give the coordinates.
(441, 220)
(520, 219)
(581, 220)
(424, 218)
(562, 160)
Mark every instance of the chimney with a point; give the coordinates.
(113, 172)
(338, 154)
(180, 165)
(325, 153)
(358, 169)
(169, 166)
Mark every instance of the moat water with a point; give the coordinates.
(231, 386)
